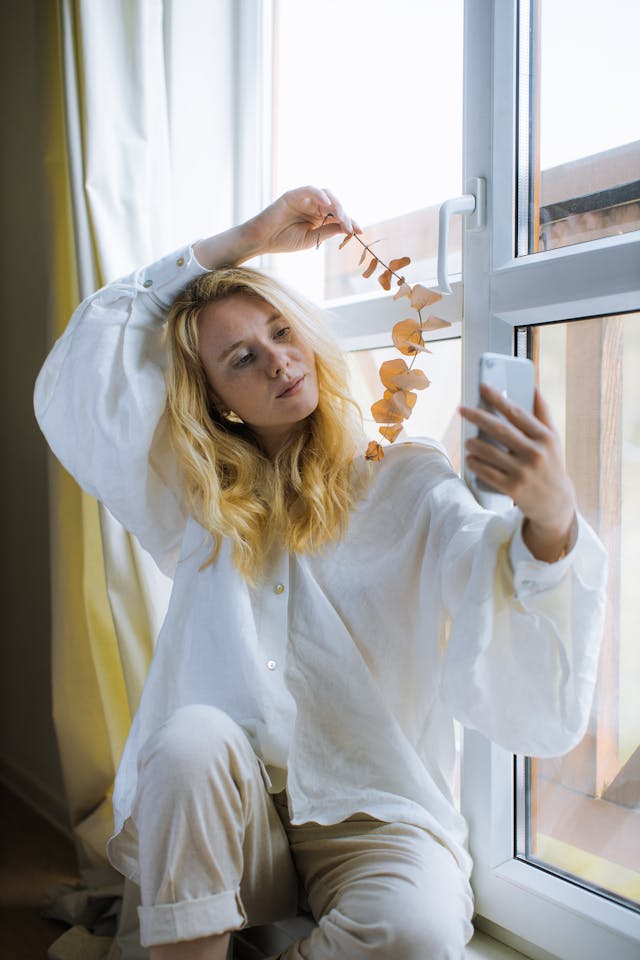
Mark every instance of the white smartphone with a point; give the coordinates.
(514, 378)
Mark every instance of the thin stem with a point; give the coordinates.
(368, 249)
(415, 356)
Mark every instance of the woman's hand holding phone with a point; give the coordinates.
(520, 455)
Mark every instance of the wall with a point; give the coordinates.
(28, 754)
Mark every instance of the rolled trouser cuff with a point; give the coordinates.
(191, 919)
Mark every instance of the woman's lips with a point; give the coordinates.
(293, 389)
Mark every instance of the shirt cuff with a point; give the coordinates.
(166, 278)
(531, 575)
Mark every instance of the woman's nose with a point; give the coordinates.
(277, 362)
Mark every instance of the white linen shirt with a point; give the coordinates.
(345, 668)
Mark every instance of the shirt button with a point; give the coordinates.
(279, 588)
(148, 283)
(180, 261)
(271, 664)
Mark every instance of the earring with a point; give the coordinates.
(232, 417)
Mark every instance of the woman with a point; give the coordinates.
(329, 617)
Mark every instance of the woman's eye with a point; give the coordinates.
(244, 360)
(282, 333)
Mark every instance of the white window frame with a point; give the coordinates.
(253, 72)
(542, 914)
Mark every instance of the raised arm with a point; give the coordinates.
(297, 220)
(100, 396)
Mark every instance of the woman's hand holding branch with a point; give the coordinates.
(297, 220)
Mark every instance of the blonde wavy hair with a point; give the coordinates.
(302, 498)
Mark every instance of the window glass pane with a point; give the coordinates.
(584, 808)
(585, 158)
(368, 103)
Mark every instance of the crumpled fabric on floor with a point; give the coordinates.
(103, 922)
(94, 909)
(79, 944)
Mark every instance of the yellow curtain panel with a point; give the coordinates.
(91, 707)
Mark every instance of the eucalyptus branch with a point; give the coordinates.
(400, 381)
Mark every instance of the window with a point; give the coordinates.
(583, 135)
(362, 91)
(556, 275)
(581, 814)
(551, 125)
(436, 416)
(400, 103)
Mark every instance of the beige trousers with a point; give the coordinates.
(218, 853)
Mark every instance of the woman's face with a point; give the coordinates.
(258, 365)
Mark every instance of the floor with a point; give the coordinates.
(35, 856)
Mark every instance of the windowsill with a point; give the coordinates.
(261, 942)
(484, 947)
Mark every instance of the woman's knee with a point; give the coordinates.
(401, 922)
(432, 933)
(433, 918)
(196, 740)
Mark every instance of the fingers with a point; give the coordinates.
(501, 431)
(519, 434)
(349, 225)
(528, 465)
(503, 467)
(515, 414)
(318, 204)
(505, 415)
(328, 230)
(491, 475)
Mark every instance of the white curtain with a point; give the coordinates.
(144, 158)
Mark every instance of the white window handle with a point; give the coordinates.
(472, 204)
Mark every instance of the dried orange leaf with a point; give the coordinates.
(384, 411)
(407, 336)
(413, 380)
(371, 267)
(403, 402)
(345, 241)
(363, 256)
(390, 369)
(404, 291)
(399, 263)
(385, 280)
(390, 433)
(390, 392)
(421, 297)
(374, 451)
(435, 323)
